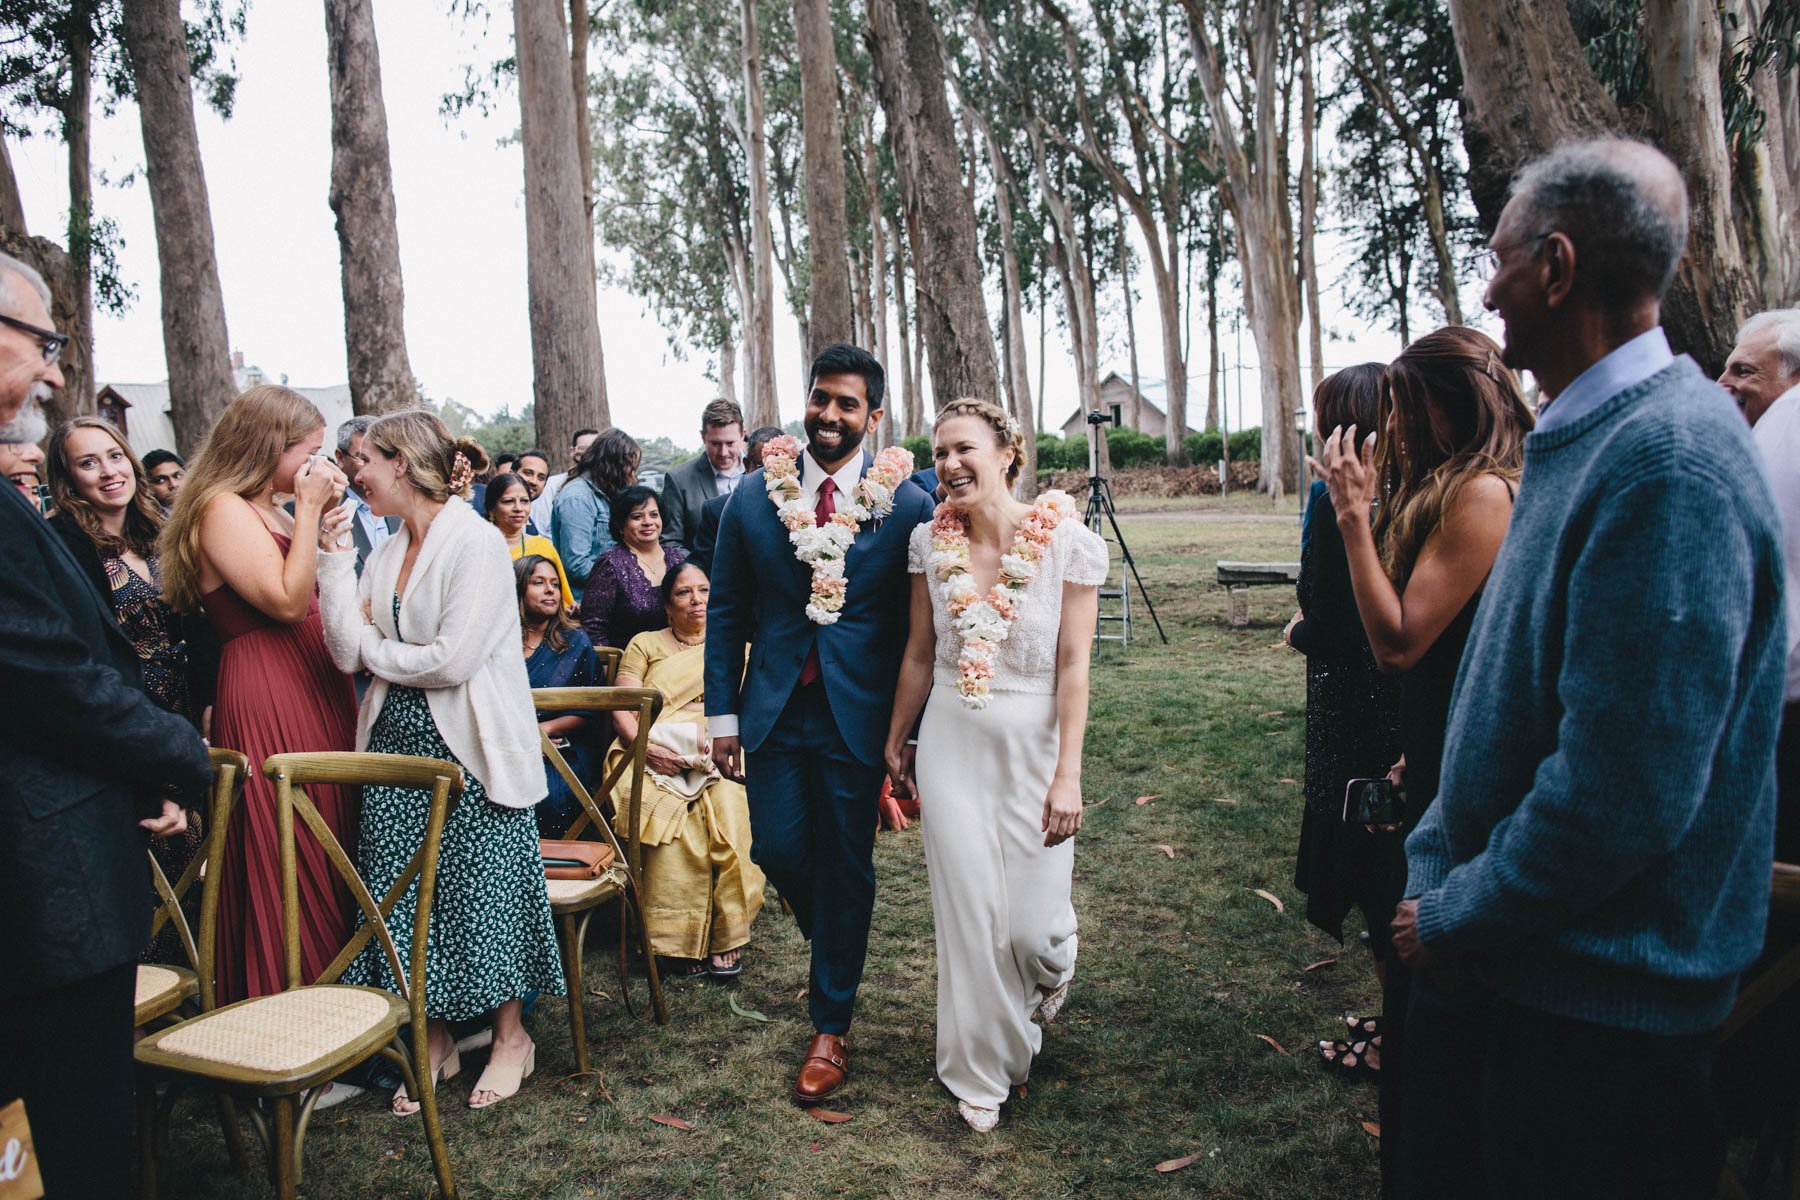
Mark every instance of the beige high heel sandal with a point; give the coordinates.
(447, 1070)
(504, 1081)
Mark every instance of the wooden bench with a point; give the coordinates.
(1239, 577)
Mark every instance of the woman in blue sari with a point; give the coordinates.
(557, 654)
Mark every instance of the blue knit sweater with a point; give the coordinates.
(1602, 838)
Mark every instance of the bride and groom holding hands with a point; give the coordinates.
(946, 652)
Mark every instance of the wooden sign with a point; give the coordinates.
(19, 1178)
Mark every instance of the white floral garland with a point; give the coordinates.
(982, 622)
(824, 548)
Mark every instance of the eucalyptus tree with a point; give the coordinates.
(828, 275)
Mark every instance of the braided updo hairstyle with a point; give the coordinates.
(438, 464)
(1007, 434)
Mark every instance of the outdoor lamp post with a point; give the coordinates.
(1300, 424)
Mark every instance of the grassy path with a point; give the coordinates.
(1157, 1056)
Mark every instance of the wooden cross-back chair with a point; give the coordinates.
(573, 901)
(286, 1047)
(1775, 978)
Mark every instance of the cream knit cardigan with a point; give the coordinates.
(461, 615)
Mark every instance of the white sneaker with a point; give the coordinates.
(335, 1093)
(1053, 1003)
(981, 1120)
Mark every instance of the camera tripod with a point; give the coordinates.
(1101, 516)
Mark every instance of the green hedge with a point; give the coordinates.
(1128, 448)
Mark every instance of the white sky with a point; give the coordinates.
(462, 241)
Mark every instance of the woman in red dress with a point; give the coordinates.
(232, 551)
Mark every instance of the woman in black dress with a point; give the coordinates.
(1445, 468)
(1352, 727)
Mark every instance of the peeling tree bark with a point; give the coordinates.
(828, 285)
(195, 344)
(362, 197)
(760, 320)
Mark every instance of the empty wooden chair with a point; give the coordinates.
(573, 901)
(284, 1048)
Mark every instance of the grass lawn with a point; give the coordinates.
(1157, 1055)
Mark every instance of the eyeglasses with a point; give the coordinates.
(49, 341)
(1494, 252)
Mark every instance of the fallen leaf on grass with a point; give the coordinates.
(1147, 799)
(1276, 713)
(1372, 1129)
(671, 1122)
(831, 1118)
(1279, 1048)
(1168, 850)
(1272, 898)
(1223, 800)
(1098, 803)
(1295, 782)
(741, 1011)
(1175, 1164)
(815, 1147)
(1323, 962)
(800, 995)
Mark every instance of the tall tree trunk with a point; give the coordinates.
(909, 70)
(580, 34)
(1256, 188)
(362, 197)
(1212, 349)
(1043, 344)
(1018, 369)
(912, 404)
(195, 344)
(1309, 195)
(728, 370)
(828, 284)
(78, 374)
(565, 323)
(52, 262)
(1767, 179)
(760, 321)
(1134, 417)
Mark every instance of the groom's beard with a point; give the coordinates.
(850, 440)
(28, 424)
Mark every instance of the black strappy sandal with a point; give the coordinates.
(1350, 1058)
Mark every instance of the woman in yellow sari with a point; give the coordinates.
(700, 890)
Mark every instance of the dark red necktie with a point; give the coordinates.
(823, 511)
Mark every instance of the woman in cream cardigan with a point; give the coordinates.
(434, 622)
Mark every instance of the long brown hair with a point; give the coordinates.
(560, 625)
(238, 458)
(143, 520)
(1449, 411)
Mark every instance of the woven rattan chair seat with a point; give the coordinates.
(573, 895)
(161, 989)
(284, 1032)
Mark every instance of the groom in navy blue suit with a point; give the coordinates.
(805, 724)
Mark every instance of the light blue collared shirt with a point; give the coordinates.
(1628, 365)
(373, 526)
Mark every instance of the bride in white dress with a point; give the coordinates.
(1004, 600)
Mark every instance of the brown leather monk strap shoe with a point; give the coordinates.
(827, 1065)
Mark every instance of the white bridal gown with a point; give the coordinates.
(1000, 899)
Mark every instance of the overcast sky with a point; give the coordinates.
(462, 239)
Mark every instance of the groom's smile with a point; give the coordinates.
(838, 417)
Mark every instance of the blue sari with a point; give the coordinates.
(576, 666)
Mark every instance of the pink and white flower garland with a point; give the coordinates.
(984, 621)
(825, 548)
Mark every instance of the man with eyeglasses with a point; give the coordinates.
(91, 765)
(367, 530)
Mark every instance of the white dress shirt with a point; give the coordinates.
(811, 476)
(540, 508)
(1777, 437)
(727, 481)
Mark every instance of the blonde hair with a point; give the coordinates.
(1007, 434)
(238, 458)
(437, 464)
(143, 519)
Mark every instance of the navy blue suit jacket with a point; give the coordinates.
(759, 600)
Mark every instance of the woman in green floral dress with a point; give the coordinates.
(434, 622)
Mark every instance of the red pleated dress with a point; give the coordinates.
(278, 693)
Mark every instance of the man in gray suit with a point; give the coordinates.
(715, 473)
(366, 529)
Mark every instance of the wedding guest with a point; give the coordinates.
(997, 765)
(620, 600)
(90, 765)
(701, 891)
(1445, 468)
(435, 620)
(1600, 849)
(109, 519)
(557, 654)
(165, 470)
(1777, 437)
(507, 507)
(533, 466)
(543, 504)
(581, 519)
(367, 530)
(23, 463)
(707, 537)
(1765, 362)
(1352, 727)
(715, 473)
(503, 464)
(231, 551)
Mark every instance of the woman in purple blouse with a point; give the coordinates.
(620, 600)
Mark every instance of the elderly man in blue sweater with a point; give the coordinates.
(1595, 872)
